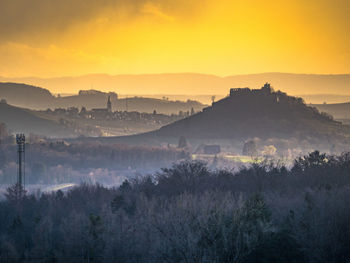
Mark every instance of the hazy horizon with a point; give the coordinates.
(169, 73)
(314, 88)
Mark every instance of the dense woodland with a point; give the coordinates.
(60, 162)
(189, 213)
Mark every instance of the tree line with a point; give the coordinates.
(188, 213)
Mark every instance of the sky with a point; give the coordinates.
(52, 38)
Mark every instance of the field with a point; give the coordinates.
(229, 157)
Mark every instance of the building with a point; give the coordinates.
(265, 90)
(235, 91)
(211, 149)
(102, 112)
(109, 104)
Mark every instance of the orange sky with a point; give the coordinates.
(75, 37)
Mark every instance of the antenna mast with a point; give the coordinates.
(20, 140)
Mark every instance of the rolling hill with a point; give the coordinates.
(26, 96)
(19, 120)
(141, 104)
(32, 97)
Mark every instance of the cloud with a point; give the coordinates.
(34, 18)
(21, 59)
(150, 8)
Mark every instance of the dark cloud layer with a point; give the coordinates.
(25, 17)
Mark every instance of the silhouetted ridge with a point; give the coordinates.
(262, 113)
(26, 121)
(23, 95)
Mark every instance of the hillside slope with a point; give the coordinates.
(20, 120)
(26, 96)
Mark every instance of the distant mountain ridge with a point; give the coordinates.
(192, 83)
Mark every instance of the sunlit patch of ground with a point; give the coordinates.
(37, 188)
(229, 157)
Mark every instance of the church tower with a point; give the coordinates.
(109, 104)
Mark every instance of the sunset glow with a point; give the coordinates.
(133, 37)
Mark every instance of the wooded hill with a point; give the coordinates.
(262, 113)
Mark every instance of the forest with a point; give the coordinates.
(60, 162)
(264, 212)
